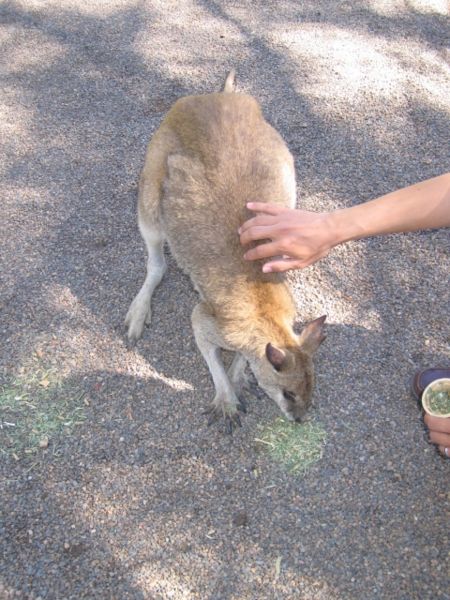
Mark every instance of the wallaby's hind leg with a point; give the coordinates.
(140, 309)
(150, 189)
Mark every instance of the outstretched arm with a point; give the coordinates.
(301, 237)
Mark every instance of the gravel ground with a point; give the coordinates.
(141, 500)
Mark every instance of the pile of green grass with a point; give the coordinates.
(35, 408)
(296, 446)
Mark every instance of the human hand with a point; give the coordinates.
(439, 430)
(298, 238)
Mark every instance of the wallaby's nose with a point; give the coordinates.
(298, 419)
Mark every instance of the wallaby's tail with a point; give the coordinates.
(230, 82)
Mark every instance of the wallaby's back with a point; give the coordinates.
(227, 155)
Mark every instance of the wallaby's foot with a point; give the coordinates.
(138, 314)
(230, 421)
(224, 409)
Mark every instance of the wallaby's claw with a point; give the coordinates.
(228, 426)
(231, 421)
(242, 406)
(213, 417)
(212, 413)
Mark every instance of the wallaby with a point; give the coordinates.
(211, 155)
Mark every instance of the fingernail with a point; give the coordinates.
(249, 204)
(239, 231)
(267, 269)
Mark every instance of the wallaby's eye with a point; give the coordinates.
(290, 396)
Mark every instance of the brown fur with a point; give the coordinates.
(210, 156)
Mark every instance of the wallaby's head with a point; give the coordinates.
(287, 374)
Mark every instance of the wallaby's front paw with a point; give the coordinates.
(228, 412)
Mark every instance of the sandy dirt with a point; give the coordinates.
(132, 496)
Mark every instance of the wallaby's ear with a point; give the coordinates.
(313, 335)
(275, 356)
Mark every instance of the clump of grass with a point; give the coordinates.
(296, 446)
(35, 408)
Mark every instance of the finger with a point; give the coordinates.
(441, 424)
(285, 264)
(260, 232)
(259, 221)
(443, 439)
(262, 251)
(280, 266)
(445, 451)
(266, 208)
